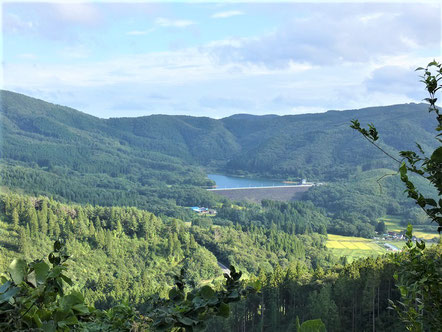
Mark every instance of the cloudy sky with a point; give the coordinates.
(218, 59)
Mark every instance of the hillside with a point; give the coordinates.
(157, 162)
(321, 145)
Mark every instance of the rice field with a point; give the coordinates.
(394, 225)
(353, 247)
(359, 247)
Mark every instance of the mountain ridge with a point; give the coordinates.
(137, 156)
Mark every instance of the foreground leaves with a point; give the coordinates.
(32, 297)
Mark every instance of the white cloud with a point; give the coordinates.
(165, 22)
(328, 35)
(15, 24)
(75, 52)
(371, 17)
(139, 32)
(27, 56)
(227, 14)
(332, 58)
(77, 12)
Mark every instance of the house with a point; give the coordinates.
(203, 210)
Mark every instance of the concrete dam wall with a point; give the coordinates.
(257, 194)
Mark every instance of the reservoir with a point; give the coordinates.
(225, 181)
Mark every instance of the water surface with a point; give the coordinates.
(225, 181)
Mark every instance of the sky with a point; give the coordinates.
(217, 59)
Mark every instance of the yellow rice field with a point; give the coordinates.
(353, 247)
(349, 242)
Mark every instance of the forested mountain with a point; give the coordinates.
(122, 160)
(126, 254)
(144, 252)
(95, 183)
(320, 145)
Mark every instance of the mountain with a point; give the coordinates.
(323, 146)
(160, 159)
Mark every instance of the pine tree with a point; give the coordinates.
(15, 218)
(51, 223)
(43, 217)
(297, 325)
(23, 245)
(33, 221)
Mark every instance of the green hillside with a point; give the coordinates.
(321, 146)
(157, 162)
(157, 148)
(99, 176)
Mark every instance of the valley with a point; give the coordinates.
(188, 166)
(118, 192)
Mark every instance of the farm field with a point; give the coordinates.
(421, 231)
(357, 247)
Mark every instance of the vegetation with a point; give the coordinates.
(33, 297)
(130, 269)
(353, 248)
(419, 277)
(350, 297)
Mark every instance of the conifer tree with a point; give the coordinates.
(15, 218)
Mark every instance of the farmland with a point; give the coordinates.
(426, 232)
(357, 247)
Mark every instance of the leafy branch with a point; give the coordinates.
(429, 167)
(32, 296)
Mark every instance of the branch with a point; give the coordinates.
(385, 152)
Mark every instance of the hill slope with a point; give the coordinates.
(157, 160)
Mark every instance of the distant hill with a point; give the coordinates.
(322, 145)
(57, 150)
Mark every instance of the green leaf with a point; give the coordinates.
(187, 321)
(17, 269)
(67, 279)
(409, 232)
(403, 170)
(70, 320)
(48, 326)
(5, 286)
(68, 301)
(207, 292)
(437, 155)
(420, 245)
(30, 278)
(223, 310)
(314, 325)
(5, 297)
(81, 308)
(41, 271)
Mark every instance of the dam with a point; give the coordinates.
(257, 194)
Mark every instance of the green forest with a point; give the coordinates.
(108, 200)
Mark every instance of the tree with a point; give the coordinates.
(380, 228)
(429, 167)
(419, 276)
(15, 218)
(33, 297)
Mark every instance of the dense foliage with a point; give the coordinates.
(127, 253)
(420, 276)
(153, 162)
(33, 297)
(122, 255)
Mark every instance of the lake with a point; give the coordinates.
(224, 181)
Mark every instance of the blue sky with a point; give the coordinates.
(217, 59)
